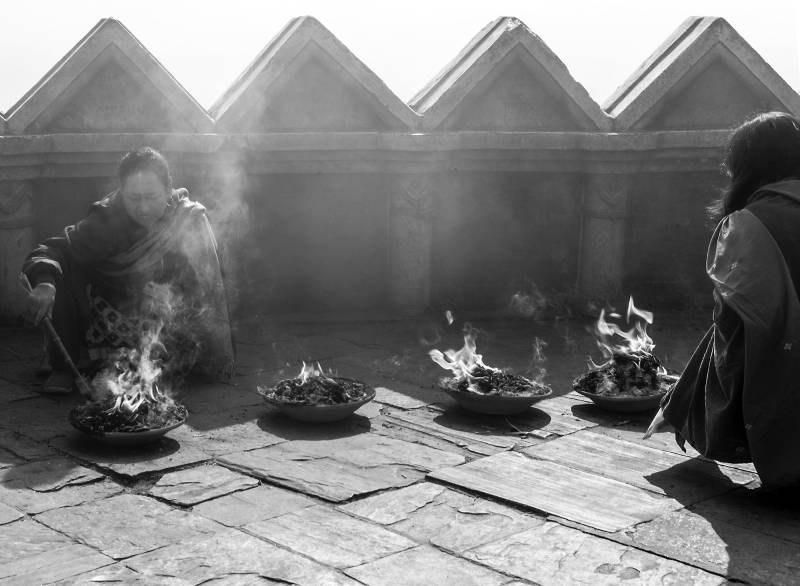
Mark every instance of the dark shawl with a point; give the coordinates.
(738, 399)
(119, 258)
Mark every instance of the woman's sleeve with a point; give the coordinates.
(89, 241)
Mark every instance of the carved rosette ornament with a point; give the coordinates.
(412, 206)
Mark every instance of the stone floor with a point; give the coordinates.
(410, 490)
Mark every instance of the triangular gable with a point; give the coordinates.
(503, 70)
(84, 91)
(705, 61)
(305, 79)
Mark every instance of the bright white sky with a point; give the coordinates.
(206, 45)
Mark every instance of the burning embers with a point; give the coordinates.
(472, 375)
(313, 387)
(316, 396)
(631, 369)
(126, 396)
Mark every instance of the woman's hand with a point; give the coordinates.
(40, 302)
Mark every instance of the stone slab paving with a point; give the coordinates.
(119, 573)
(231, 552)
(9, 514)
(250, 506)
(202, 483)
(595, 501)
(161, 456)
(330, 536)
(127, 524)
(563, 493)
(554, 554)
(40, 419)
(423, 566)
(31, 553)
(730, 550)
(15, 448)
(339, 469)
(394, 398)
(685, 479)
(431, 513)
(52, 565)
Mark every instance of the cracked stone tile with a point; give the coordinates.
(33, 502)
(49, 484)
(26, 538)
(255, 504)
(330, 537)
(52, 565)
(202, 483)
(338, 469)
(592, 500)
(48, 475)
(555, 554)
(718, 546)
(422, 566)
(448, 519)
(686, 479)
(9, 514)
(160, 456)
(217, 557)
(127, 524)
(396, 399)
(119, 573)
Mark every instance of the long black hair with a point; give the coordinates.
(763, 150)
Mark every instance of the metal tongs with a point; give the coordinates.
(81, 383)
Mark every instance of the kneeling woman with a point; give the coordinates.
(739, 398)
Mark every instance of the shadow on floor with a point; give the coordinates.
(744, 533)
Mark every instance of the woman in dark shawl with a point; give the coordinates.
(143, 261)
(738, 400)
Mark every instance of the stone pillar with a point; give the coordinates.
(16, 241)
(602, 254)
(410, 240)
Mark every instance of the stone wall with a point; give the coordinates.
(329, 193)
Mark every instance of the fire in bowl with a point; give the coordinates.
(316, 397)
(127, 407)
(632, 377)
(484, 389)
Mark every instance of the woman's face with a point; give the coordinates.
(145, 197)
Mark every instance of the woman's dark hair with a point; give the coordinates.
(145, 159)
(763, 150)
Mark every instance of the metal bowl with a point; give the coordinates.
(127, 438)
(321, 413)
(625, 403)
(493, 404)
(628, 403)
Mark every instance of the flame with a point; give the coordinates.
(635, 341)
(132, 380)
(309, 371)
(464, 362)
